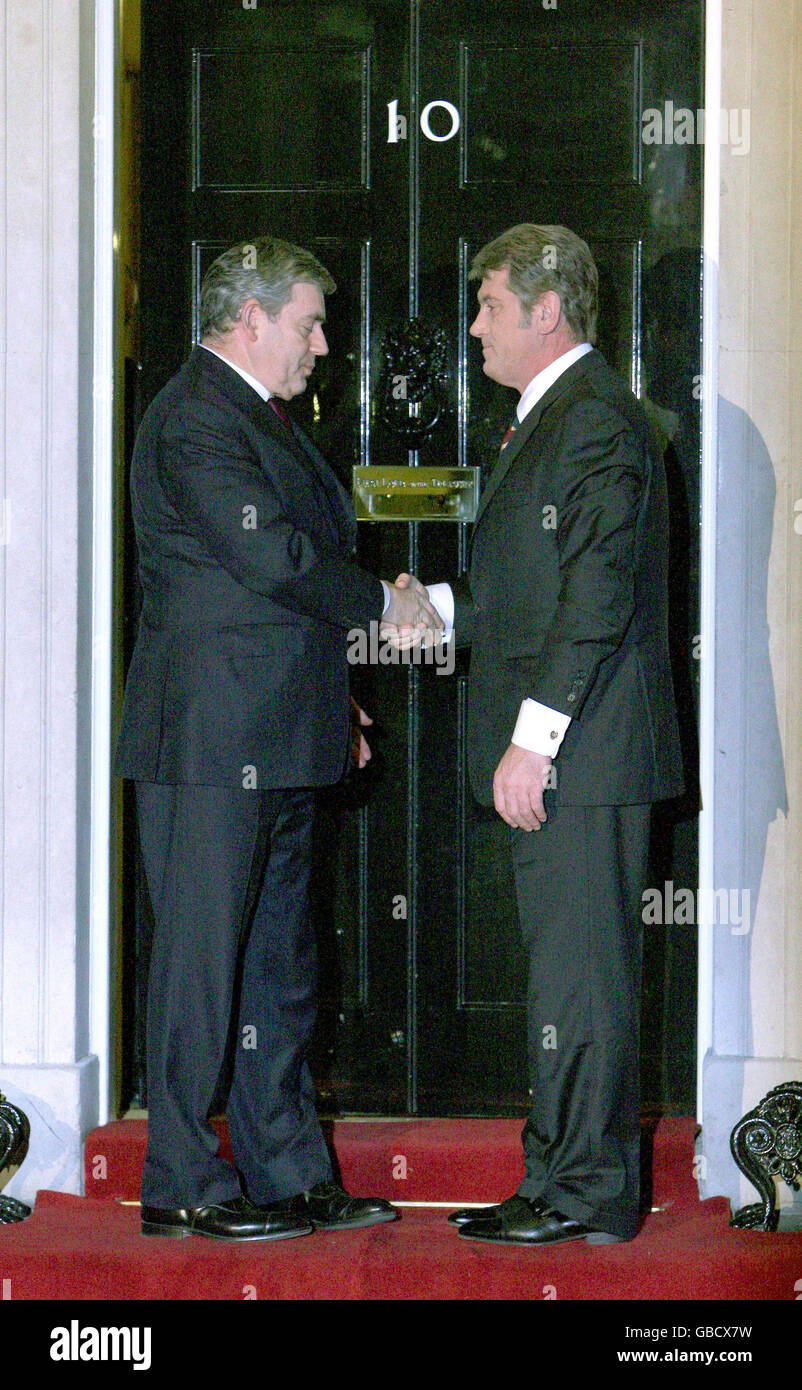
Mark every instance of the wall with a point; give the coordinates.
(757, 974)
(45, 567)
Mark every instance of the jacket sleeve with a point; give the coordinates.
(463, 611)
(227, 502)
(599, 480)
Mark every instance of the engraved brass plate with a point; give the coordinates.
(416, 494)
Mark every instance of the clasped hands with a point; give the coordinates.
(410, 619)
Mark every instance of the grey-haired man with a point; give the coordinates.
(236, 708)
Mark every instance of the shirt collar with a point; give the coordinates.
(540, 384)
(246, 376)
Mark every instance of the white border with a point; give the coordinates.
(707, 654)
(100, 963)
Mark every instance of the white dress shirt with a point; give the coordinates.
(539, 728)
(246, 376)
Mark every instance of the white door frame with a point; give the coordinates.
(101, 962)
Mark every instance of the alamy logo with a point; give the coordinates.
(76, 1343)
(370, 648)
(682, 126)
(684, 907)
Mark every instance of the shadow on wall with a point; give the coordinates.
(54, 1159)
(749, 769)
(749, 773)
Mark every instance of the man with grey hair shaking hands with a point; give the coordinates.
(236, 707)
(572, 731)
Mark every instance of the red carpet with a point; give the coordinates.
(408, 1160)
(91, 1248)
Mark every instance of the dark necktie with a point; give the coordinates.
(281, 411)
(510, 432)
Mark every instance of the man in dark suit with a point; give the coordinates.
(236, 708)
(572, 728)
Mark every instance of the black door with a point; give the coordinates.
(394, 139)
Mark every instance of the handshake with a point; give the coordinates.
(410, 619)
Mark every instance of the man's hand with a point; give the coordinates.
(411, 581)
(410, 617)
(518, 787)
(360, 752)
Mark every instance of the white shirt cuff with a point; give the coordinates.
(441, 597)
(540, 729)
(386, 588)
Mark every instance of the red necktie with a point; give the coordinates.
(510, 432)
(281, 411)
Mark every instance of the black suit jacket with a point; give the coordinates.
(566, 599)
(246, 542)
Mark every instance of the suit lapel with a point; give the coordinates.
(507, 457)
(334, 499)
(339, 498)
(527, 428)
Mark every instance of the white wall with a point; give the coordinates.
(756, 977)
(45, 569)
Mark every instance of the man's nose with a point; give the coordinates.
(474, 330)
(318, 343)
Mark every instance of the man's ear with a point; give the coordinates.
(548, 311)
(250, 316)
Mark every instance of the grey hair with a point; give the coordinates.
(540, 258)
(264, 269)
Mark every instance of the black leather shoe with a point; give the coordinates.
(329, 1208)
(238, 1219)
(530, 1223)
(463, 1215)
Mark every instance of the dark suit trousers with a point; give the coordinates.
(579, 881)
(231, 992)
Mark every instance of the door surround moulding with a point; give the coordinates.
(103, 338)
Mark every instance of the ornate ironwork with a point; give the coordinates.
(767, 1144)
(15, 1134)
(415, 380)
